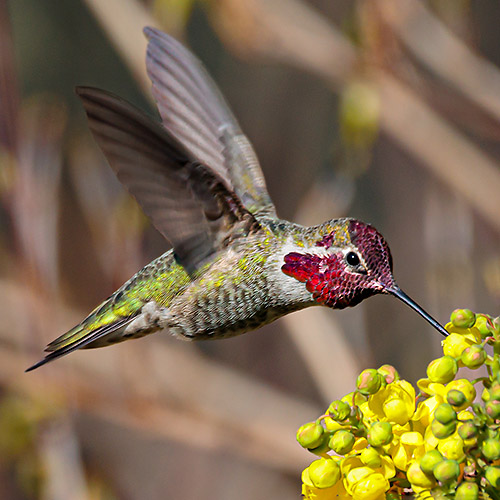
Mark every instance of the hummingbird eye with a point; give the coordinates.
(352, 259)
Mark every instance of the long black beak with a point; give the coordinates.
(397, 292)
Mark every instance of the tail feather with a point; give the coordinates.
(78, 337)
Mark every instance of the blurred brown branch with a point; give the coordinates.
(444, 53)
(122, 21)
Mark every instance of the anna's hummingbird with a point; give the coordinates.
(234, 265)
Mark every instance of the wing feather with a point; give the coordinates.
(194, 111)
(191, 205)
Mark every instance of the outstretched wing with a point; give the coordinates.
(195, 113)
(189, 203)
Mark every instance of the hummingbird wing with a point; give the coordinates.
(194, 111)
(188, 202)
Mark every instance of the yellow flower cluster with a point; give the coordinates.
(384, 440)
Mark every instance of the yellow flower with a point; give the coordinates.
(394, 403)
(452, 447)
(332, 425)
(310, 492)
(360, 444)
(419, 481)
(411, 446)
(351, 463)
(371, 487)
(459, 339)
(466, 388)
(424, 413)
(426, 386)
(465, 415)
(363, 482)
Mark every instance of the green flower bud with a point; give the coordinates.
(339, 410)
(324, 473)
(494, 391)
(467, 430)
(442, 431)
(490, 449)
(322, 448)
(456, 398)
(446, 471)
(371, 457)
(380, 434)
(342, 442)
(496, 326)
(484, 325)
(467, 491)
(492, 475)
(430, 460)
(474, 356)
(389, 373)
(369, 381)
(445, 413)
(310, 435)
(463, 318)
(442, 370)
(493, 409)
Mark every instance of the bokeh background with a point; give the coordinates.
(384, 111)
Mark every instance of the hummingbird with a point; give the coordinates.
(234, 265)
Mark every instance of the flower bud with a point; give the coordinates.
(371, 457)
(493, 409)
(467, 491)
(463, 385)
(492, 475)
(452, 448)
(467, 430)
(474, 356)
(463, 318)
(322, 448)
(310, 435)
(446, 471)
(484, 325)
(342, 442)
(494, 391)
(490, 448)
(456, 398)
(339, 410)
(430, 460)
(418, 478)
(442, 431)
(389, 373)
(380, 434)
(324, 473)
(442, 370)
(369, 381)
(445, 413)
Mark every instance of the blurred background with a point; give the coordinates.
(384, 111)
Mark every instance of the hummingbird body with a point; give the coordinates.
(243, 288)
(234, 265)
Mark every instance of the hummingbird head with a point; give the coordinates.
(342, 272)
(347, 265)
